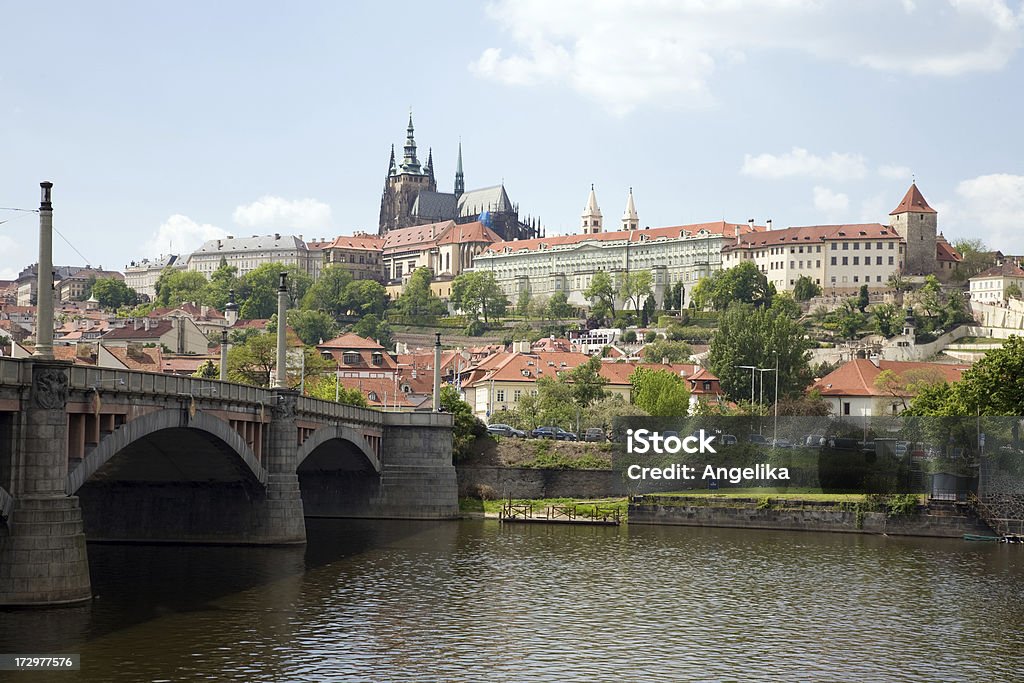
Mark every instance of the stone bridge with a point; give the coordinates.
(133, 456)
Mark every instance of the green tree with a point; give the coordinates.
(636, 286)
(113, 293)
(602, 412)
(805, 289)
(863, 299)
(467, 426)
(888, 320)
(418, 304)
(660, 392)
(846, 321)
(328, 293)
(975, 256)
(785, 304)
(208, 370)
(601, 291)
(325, 388)
(258, 289)
(559, 307)
(174, 287)
(478, 293)
(365, 297)
(586, 382)
(312, 327)
(661, 350)
(674, 300)
(744, 283)
(254, 361)
(764, 339)
(222, 281)
(372, 327)
(555, 403)
(523, 303)
(1012, 292)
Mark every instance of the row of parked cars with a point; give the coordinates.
(557, 433)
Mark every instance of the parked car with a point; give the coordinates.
(506, 430)
(782, 443)
(556, 433)
(727, 439)
(594, 434)
(757, 438)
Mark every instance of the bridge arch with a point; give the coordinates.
(147, 425)
(338, 433)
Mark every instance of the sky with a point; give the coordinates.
(165, 124)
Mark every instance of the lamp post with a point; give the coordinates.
(281, 372)
(437, 372)
(760, 401)
(753, 369)
(223, 355)
(44, 277)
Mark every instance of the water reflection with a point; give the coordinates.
(408, 601)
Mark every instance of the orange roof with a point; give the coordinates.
(674, 232)
(141, 358)
(416, 235)
(381, 392)
(357, 242)
(1007, 269)
(468, 232)
(857, 377)
(350, 341)
(619, 373)
(914, 201)
(810, 234)
(945, 252)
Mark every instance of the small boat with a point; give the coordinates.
(979, 537)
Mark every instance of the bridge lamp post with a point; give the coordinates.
(44, 277)
(753, 369)
(281, 372)
(437, 372)
(223, 355)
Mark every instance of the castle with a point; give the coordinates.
(411, 198)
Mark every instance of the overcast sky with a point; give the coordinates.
(164, 124)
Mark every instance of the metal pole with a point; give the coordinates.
(44, 277)
(281, 372)
(775, 427)
(437, 372)
(223, 355)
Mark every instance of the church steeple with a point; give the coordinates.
(391, 164)
(429, 168)
(409, 162)
(592, 219)
(630, 219)
(460, 182)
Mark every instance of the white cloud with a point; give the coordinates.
(181, 235)
(894, 172)
(283, 214)
(990, 207)
(829, 201)
(667, 52)
(800, 162)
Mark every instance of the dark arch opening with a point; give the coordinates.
(337, 479)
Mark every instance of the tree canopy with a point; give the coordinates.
(661, 393)
(478, 293)
(743, 283)
(113, 293)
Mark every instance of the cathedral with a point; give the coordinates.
(410, 198)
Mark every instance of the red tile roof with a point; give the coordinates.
(857, 377)
(1008, 269)
(714, 228)
(945, 252)
(138, 358)
(383, 392)
(416, 235)
(913, 201)
(355, 242)
(156, 329)
(811, 234)
(468, 232)
(350, 341)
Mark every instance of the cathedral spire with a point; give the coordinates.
(630, 219)
(391, 164)
(592, 219)
(429, 168)
(409, 162)
(460, 182)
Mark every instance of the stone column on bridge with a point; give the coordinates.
(283, 520)
(43, 557)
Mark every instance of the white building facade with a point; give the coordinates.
(249, 253)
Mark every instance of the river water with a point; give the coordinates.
(479, 601)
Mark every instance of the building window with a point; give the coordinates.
(878, 245)
(890, 260)
(846, 260)
(856, 246)
(878, 278)
(867, 245)
(846, 246)
(792, 264)
(856, 260)
(500, 395)
(516, 394)
(833, 246)
(846, 407)
(890, 245)
(833, 260)
(856, 278)
(817, 263)
(878, 260)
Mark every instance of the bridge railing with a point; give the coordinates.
(134, 381)
(14, 372)
(315, 407)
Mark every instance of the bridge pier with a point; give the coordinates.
(281, 519)
(418, 478)
(43, 557)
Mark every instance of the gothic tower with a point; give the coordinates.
(591, 217)
(917, 224)
(460, 181)
(630, 219)
(403, 184)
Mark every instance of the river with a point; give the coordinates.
(475, 600)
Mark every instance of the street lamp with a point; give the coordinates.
(760, 401)
(752, 368)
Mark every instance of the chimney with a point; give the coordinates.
(145, 324)
(769, 222)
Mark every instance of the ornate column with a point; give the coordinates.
(283, 521)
